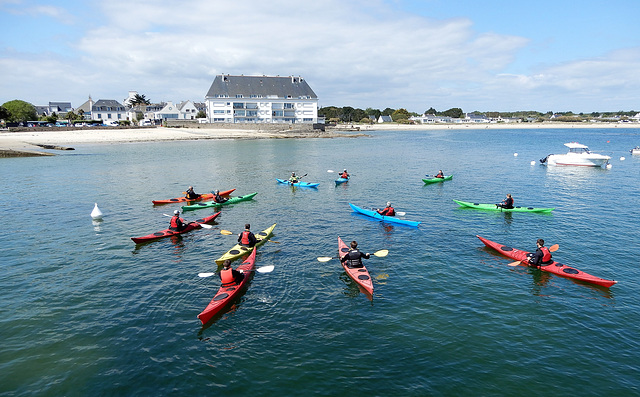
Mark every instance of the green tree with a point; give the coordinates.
(201, 114)
(20, 111)
(4, 113)
(388, 112)
(139, 100)
(431, 111)
(400, 114)
(455, 113)
(373, 112)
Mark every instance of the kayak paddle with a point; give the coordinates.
(204, 225)
(553, 248)
(379, 254)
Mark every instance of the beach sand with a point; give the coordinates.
(33, 142)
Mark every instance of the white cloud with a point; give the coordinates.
(352, 53)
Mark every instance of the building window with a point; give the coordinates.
(219, 112)
(288, 105)
(109, 116)
(239, 96)
(277, 113)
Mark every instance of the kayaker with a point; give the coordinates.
(344, 174)
(542, 256)
(229, 276)
(294, 178)
(190, 194)
(440, 174)
(218, 198)
(507, 202)
(353, 258)
(247, 238)
(387, 211)
(177, 224)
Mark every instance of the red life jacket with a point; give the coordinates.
(546, 255)
(389, 211)
(226, 276)
(174, 222)
(245, 238)
(344, 175)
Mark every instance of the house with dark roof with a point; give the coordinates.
(103, 109)
(261, 99)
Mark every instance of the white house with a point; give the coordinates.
(261, 99)
(103, 109)
(169, 111)
(385, 119)
(187, 110)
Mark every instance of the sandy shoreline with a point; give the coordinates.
(33, 141)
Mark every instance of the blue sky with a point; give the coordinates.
(477, 55)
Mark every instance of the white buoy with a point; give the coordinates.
(622, 158)
(609, 166)
(515, 155)
(96, 213)
(533, 162)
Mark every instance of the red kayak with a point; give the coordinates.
(360, 274)
(226, 295)
(203, 197)
(554, 267)
(167, 232)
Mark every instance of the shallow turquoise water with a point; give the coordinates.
(86, 312)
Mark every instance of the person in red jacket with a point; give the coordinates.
(247, 238)
(177, 224)
(344, 174)
(387, 211)
(229, 276)
(542, 256)
(440, 174)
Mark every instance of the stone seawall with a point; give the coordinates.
(244, 126)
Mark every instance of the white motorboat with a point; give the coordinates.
(578, 155)
(635, 150)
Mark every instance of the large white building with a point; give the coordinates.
(261, 99)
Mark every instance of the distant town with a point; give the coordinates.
(261, 100)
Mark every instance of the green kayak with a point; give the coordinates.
(213, 204)
(436, 180)
(494, 207)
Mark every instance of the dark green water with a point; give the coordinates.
(86, 312)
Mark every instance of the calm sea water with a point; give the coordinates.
(84, 311)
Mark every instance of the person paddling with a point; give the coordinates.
(247, 238)
(388, 210)
(344, 174)
(440, 174)
(506, 203)
(542, 256)
(190, 194)
(353, 259)
(218, 198)
(294, 178)
(229, 276)
(177, 224)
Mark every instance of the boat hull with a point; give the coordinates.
(212, 204)
(298, 184)
(340, 181)
(578, 160)
(493, 207)
(167, 232)
(226, 295)
(360, 275)
(555, 267)
(239, 250)
(437, 180)
(390, 219)
(203, 197)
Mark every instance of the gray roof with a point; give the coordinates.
(266, 86)
(103, 104)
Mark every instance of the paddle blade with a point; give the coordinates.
(205, 274)
(330, 171)
(324, 258)
(401, 213)
(381, 253)
(515, 263)
(265, 269)
(204, 225)
(554, 248)
(225, 232)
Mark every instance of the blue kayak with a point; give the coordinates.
(300, 184)
(374, 214)
(341, 180)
